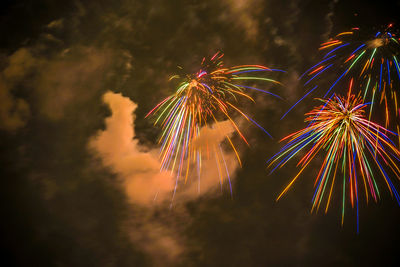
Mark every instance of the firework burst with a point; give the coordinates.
(372, 61)
(202, 99)
(351, 143)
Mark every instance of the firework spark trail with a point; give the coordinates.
(202, 99)
(351, 144)
(371, 61)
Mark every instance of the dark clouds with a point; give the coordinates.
(62, 207)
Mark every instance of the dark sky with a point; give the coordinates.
(62, 205)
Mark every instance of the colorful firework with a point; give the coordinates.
(351, 143)
(202, 99)
(371, 61)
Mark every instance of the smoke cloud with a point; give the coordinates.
(14, 112)
(138, 166)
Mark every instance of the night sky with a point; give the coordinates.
(78, 158)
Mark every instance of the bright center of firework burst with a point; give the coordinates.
(378, 42)
(347, 117)
(382, 40)
(193, 84)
